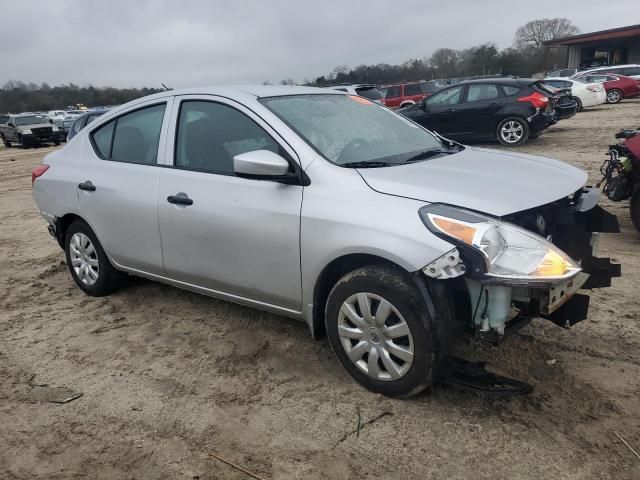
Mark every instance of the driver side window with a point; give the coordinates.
(444, 98)
(210, 134)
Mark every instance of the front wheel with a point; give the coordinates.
(614, 96)
(634, 209)
(513, 131)
(6, 142)
(379, 328)
(87, 261)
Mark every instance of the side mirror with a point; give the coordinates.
(262, 165)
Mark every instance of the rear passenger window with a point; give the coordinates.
(477, 93)
(102, 140)
(210, 134)
(413, 89)
(509, 90)
(131, 138)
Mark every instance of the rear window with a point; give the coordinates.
(372, 93)
(510, 90)
(631, 71)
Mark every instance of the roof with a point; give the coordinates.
(622, 32)
(502, 81)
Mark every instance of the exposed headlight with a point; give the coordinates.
(54, 128)
(509, 252)
(25, 130)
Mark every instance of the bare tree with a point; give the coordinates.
(535, 33)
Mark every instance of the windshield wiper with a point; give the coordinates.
(428, 154)
(366, 164)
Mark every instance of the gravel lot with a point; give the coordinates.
(170, 378)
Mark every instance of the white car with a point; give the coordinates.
(585, 94)
(56, 114)
(630, 70)
(562, 73)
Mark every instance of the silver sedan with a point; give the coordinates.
(328, 208)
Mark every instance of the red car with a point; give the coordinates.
(405, 94)
(617, 86)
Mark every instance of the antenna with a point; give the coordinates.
(165, 87)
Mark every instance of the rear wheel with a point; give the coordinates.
(87, 261)
(614, 96)
(513, 131)
(379, 328)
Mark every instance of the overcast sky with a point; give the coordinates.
(197, 42)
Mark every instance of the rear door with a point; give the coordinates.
(477, 114)
(117, 185)
(237, 236)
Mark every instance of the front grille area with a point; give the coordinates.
(42, 132)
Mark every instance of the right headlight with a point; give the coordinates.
(509, 252)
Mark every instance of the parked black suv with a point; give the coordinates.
(504, 109)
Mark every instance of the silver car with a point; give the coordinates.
(328, 208)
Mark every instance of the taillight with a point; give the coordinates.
(536, 99)
(38, 171)
(593, 88)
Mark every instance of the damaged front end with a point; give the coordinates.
(525, 265)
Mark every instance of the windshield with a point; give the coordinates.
(347, 129)
(29, 120)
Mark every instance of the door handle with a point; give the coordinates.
(180, 199)
(87, 186)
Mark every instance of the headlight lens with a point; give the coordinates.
(510, 252)
(25, 130)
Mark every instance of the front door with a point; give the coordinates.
(117, 186)
(233, 235)
(441, 111)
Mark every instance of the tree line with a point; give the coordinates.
(16, 96)
(526, 57)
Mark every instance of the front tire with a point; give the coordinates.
(513, 131)
(578, 103)
(6, 142)
(614, 95)
(379, 328)
(88, 263)
(634, 209)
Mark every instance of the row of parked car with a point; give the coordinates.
(35, 129)
(509, 110)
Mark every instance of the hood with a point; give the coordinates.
(490, 181)
(34, 125)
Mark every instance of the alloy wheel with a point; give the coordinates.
(613, 96)
(375, 336)
(84, 259)
(512, 131)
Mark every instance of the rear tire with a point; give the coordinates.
(513, 131)
(634, 209)
(88, 263)
(614, 96)
(379, 327)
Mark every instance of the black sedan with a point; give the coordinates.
(504, 109)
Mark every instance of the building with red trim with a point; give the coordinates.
(616, 46)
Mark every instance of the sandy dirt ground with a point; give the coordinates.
(170, 378)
